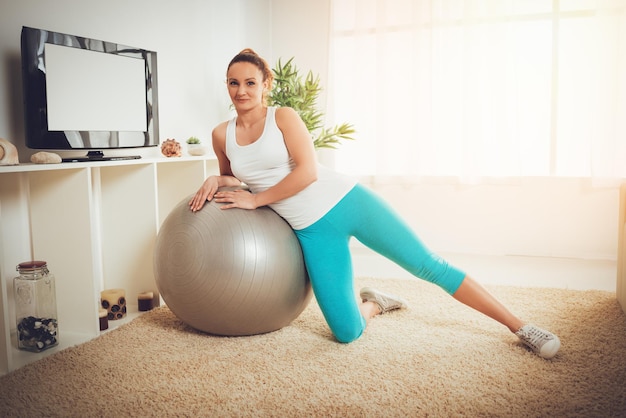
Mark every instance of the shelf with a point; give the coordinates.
(95, 223)
(21, 358)
(30, 167)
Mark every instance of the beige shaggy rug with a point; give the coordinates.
(437, 359)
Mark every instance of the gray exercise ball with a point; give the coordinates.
(230, 272)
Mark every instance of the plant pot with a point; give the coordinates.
(196, 149)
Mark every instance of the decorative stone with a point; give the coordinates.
(37, 334)
(45, 158)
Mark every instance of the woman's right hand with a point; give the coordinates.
(204, 194)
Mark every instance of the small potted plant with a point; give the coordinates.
(194, 146)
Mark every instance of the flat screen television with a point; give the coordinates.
(86, 94)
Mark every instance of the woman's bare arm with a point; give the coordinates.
(212, 183)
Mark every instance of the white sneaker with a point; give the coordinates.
(385, 301)
(544, 343)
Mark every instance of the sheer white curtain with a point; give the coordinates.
(480, 88)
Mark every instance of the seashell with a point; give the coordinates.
(171, 148)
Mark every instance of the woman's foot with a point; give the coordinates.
(544, 343)
(385, 301)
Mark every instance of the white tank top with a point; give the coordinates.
(266, 161)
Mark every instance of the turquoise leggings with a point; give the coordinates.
(325, 245)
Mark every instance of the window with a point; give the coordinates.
(480, 88)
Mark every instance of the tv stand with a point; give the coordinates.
(99, 156)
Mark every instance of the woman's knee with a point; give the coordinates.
(347, 335)
(438, 271)
(346, 325)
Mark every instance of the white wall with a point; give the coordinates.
(194, 41)
(300, 29)
(545, 217)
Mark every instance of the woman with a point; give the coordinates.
(271, 151)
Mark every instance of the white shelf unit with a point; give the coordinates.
(95, 224)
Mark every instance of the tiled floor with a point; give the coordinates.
(563, 273)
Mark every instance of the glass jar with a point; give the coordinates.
(35, 307)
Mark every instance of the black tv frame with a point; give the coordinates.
(38, 136)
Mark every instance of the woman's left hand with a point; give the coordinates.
(242, 199)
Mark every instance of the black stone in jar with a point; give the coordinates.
(37, 334)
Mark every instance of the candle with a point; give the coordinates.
(104, 319)
(145, 301)
(114, 301)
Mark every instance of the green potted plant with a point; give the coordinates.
(290, 89)
(194, 146)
